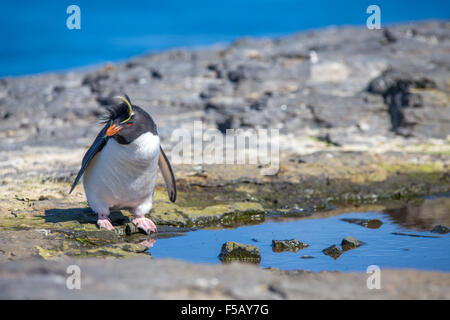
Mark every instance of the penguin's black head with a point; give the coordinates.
(127, 122)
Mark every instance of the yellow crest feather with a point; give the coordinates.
(129, 107)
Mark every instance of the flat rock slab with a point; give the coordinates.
(235, 251)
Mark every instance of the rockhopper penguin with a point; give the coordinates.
(119, 170)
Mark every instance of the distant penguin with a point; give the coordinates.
(120, 168)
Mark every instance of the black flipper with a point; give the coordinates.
(97, 146)
(168, 176)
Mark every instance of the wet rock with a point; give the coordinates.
(305, 256)
(235, 251)
(220, 214)
(350, 243)
(366, 223)
(288, 245)
(332, 251)
(130, 229)
(440, 229)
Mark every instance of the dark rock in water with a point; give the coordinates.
(235, 251)
(307, 257)
(350, 243)
(366, 223)
(288, 245)
(332, 251)
(440, 229)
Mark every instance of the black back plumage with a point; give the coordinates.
(97, 146)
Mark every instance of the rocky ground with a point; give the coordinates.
(363, 117)
(172, 279)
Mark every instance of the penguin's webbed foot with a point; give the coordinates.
(105, 223)
(145, 224)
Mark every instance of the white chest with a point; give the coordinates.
(123, 175)
(132, 157)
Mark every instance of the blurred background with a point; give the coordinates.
(35, 37)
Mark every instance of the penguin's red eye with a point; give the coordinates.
(129, 124)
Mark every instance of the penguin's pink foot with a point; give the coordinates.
(105, 223)
(145, 224)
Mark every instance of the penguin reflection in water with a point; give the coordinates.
(120, 168)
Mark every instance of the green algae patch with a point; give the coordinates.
(123, 250)
(429, 172)
(220, 214)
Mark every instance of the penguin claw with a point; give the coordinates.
(144, 224)
(104, 223)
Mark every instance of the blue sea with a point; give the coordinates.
(35, 38)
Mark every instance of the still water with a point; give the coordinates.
(388, 246)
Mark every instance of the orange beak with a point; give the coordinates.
(112, 130)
